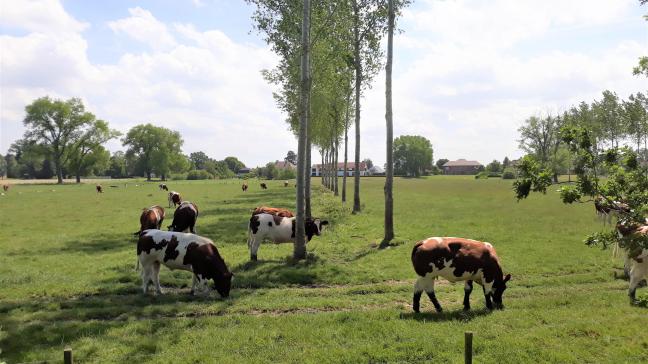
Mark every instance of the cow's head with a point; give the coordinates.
(499, 286)
(223, 284)
(313, 226)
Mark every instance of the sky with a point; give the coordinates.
(467, 73)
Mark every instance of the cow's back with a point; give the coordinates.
(169, 248)
(461, 256)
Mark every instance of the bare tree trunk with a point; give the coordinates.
(346, 148)
(358, 85)
(389, 168)
(299, 249)
(78, 176)
(335, 169)
(307, 184)
(321, 170)
(59, 169)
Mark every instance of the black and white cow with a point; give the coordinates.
(278, 229)
(457, 259)
(174, 199)
(163, 186)
(184, 218)
(188, 252)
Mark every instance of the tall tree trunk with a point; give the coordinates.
(59, 169)
(78, 176)
(299, 249)
(307, 166)
(335, 164)
(389, 168)
(148, 176)
(321, 169)
(358, 85)
(346, 148)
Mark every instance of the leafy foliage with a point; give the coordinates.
(412, 155)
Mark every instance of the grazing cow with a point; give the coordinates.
(605, 210)
(163, 186)
(278, 229)
(99, 189)
(277, 211)
(244, 187)
(188, 252)
(635, 265)
(264, 186)
(5, 188)
(174, 199)
(151, 218)
(457, 259)
(184, 218)
(286, 184)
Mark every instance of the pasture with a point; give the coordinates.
(67, 278)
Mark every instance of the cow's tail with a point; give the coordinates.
(414, 251)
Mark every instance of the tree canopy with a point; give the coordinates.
(155, 150)
(412, 155)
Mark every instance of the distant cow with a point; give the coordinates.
(277, 211)
(99, 188)
(5, 188)
(457, 259)
(163, 186)
(286, 184)
(151, 218)
(278, 229)
(184, 218)
(174, 199)
(605, 209)
(188, 252)
(264, 186)
(244, 187)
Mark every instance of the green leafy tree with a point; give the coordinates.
(495, 166)
(291, 157)
(88, 153)
(635, 115)
(118, 168)
(199, 160)
(13, 170)
(642, 67)
(506, 163)
(57, 125)
(155, 150)
(234, 164)
(31, 160)
(3, 166)
(540, 136)
(608, 113)
(412, 155)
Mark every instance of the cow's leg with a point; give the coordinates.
(254, 248)
(627, 265)
(156, 277)
(418, 291)
(488, 292)
(637, 273)
(427, 284)
(146, 277)
(468, 287)
(194, 281)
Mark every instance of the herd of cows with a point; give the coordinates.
(455, 259)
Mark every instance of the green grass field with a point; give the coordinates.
(67, 278)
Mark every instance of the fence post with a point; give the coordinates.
(67, 356)
(468, 336)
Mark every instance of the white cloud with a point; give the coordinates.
(43, 16)
(144, 27)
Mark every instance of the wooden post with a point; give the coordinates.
(468, 336)
(67, 356)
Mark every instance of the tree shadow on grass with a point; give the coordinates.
(457, 315)
(277, 273)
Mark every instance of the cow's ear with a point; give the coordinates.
(507, 278)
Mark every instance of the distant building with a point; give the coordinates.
(242, 172)
(316, 169)
(284, 165)
(376, 171)
(462, 166)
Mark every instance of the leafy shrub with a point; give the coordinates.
(482, 175)
(509, 173)
(178, 176)
(198, 174)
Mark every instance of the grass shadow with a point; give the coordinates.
(457, 315)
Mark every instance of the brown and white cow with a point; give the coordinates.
(151, 218)
(635, 265)
(244, 186)
(278, 229)
(458, 259)
(264, 186)
(606, 210)
(163, 186)
(174, 199)
(5, 188)
(188, 252)
(99, 188)
(184, 218)
(278, 211)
